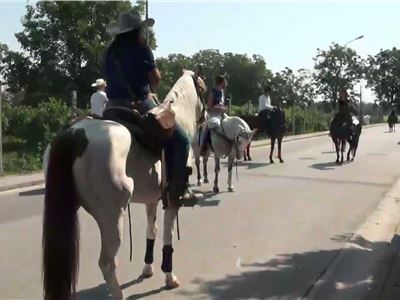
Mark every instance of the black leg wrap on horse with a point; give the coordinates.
(149, 257)
(166, 265)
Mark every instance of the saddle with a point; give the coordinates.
(150, 129)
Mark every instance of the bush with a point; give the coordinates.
(28, 130)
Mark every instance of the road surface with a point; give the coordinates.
(273, 237)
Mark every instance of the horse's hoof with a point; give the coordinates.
(338, 162)
(245, 158)
(271, 161)
(231, 189)
(199, 183)
(352, 159)
(250, 159)
(216, 189)
(206, 180)
(148, 271)
(172, 282)
(281, 161)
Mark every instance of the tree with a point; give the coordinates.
(292, 87)
(245, 75)
(383, 75)
(337, 68)
(65, 43)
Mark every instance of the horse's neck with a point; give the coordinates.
(184, 99)
(231, 127)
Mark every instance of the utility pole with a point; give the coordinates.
(361, 104)
(147, 16)
(1, 133)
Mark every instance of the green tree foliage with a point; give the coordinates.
(291, 87)
(383, 75)
(245, 75)
(64, 44)
(335, 69)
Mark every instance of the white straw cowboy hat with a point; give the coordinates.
(128, 22)
(99, 82)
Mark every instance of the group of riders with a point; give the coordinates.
(131, 75)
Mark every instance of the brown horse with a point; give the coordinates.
(274, 125)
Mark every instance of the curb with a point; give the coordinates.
(21, 185)
(360, 268)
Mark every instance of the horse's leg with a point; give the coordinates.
(248, 152)
(197, 160)
(230, 167)
(205, 173)
(348, 153)
(280, 149)
(216, 171)
(355, 149)
(111, 238)
(343, 148)
(336, 142)
(151, 211)
(169, 218)
(272, 150)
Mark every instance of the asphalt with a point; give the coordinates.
(276, 236)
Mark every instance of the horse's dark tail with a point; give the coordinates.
(60, 239)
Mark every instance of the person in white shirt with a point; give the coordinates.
(265, 108)
(99, 99)
(264, 102)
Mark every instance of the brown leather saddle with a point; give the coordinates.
(144, 128)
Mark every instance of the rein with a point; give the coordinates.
(201, 97)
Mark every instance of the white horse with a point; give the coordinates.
(96, 164)
(229, 139)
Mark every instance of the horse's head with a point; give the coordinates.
(239, 131)
(243, 140)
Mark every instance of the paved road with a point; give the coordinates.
(271, 238)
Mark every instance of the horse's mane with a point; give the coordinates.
(185, 101)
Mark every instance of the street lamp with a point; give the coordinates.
(340, 66)
(357, 38)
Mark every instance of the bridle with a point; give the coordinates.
(200, 91)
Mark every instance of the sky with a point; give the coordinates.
(286, 33)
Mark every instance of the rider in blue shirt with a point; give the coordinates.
(131, 74)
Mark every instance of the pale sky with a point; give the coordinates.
(285, 33)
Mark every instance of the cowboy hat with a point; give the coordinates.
(128, 22)
(99, 82)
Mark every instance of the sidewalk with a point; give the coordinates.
(391, 275)
(22, 181)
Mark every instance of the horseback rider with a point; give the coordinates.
(264, 102)
(345, 108)
(216, 110)
(131, 75)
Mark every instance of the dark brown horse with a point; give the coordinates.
(392, 120)
(273, 123)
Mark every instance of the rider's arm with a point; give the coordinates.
(153, 74)
(154, 78)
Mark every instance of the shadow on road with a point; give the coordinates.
(99, 292)
(324, 166)
(328, 152)
(293, 275)
(206, 201)
(32, 192)
(248, 164)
